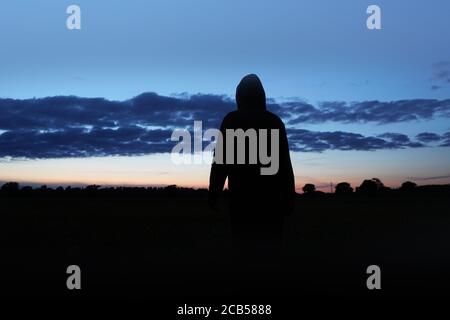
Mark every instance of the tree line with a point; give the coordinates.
(372, 186)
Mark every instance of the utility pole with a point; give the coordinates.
(331, 187)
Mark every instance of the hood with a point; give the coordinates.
(250, 94)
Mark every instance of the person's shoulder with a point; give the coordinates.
(275, 119)
(231, 114)
(229, 117)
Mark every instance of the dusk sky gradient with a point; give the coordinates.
(343, 90)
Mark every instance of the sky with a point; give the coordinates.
(357, 103)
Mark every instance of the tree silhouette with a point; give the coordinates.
(10, 187)
(26, 191)
(380, 184)
(368, 187)
(309, 188)
(343, 188)
(372, 186)
(408, 186)
(92, 187)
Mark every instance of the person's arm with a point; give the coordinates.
(287, 179)
(219, 172)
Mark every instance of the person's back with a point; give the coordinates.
(258, 202)
(246, 184)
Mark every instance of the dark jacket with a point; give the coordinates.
(249, 189)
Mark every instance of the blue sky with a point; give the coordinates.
(317, 50)
(312, 51)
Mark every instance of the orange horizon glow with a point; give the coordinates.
(158, 170)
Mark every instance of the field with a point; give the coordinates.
(175, 246)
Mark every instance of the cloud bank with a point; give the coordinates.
(69, 126)
(366, 112)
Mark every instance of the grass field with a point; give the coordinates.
(176, 246)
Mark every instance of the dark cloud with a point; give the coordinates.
(395, 137)
(428, 137)
(312, 141)
(148, 109)
(429, 178)
(367, 111)
(446, 140)
(69, 126)
(76, 142)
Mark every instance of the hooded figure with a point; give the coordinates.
(258, 202)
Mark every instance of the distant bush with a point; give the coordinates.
(372, 186)
(10, 187)
(367, 187)
(343, 188)
(309, 188)
(408, 186)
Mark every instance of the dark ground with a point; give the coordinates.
(176, 247)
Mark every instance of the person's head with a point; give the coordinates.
(250, 94)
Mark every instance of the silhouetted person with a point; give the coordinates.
(258, 203)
